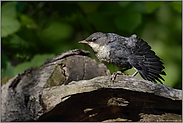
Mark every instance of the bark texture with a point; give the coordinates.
(74, 87)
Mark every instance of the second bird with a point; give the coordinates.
(127, 52)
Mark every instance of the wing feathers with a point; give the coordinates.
(149, 65)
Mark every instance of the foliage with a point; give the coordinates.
(31, 32)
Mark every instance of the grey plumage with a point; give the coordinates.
(126, 53)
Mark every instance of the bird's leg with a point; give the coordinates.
(114, 75)
(135, 73)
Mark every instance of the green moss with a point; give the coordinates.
(57, 78)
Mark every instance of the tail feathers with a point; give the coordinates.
(149, 66)
(151, 75)
(163, 73)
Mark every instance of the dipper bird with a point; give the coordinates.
(127, 52)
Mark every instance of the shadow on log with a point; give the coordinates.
(74, 87)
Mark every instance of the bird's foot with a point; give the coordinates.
(114, 75)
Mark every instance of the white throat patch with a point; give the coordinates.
(102, 52)
(95, 47)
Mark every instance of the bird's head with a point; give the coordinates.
(96, 40)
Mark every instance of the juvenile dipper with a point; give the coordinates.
(126, 53)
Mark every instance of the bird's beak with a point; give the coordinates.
(83, 42)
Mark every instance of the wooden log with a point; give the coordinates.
(74, 87)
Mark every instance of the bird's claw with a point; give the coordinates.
(114, 75)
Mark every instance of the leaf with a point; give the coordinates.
(128, 21)
(9, 9)
(9, 71)
(9, 24)
(36, 61)
(20, 68)
(153, 5)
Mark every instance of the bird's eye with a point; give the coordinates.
(94, 39)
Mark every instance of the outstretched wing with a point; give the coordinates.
(144, 60)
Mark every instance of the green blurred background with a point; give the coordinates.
(32, 32)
